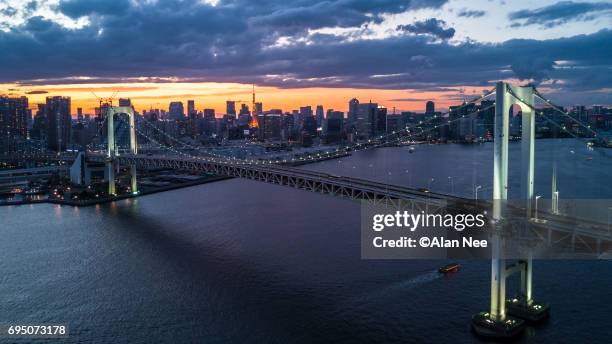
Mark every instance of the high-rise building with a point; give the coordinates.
(333, 126)
(320, 115)
(366, 120)
(13, 122)
(305, 111)
(289, 125)
(309, 125)
(244, 109)
(209, 113)
(190, 107)
(380, 118)
(176, 110)
(230, 108)
(430, 108)
(352, 111)
(59, 122)
(39, 125)
(258, 108)
(270, 126)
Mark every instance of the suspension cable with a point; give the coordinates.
(548, 119)
(559, 109)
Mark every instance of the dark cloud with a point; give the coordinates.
(234, 41)
(561, 13)
(37, 92)
(433, 27)
(79, 8)
(471, 13)
(8, 11)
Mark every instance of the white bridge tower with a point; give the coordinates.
(112, 150)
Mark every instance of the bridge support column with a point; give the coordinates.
(133, 150)
(554, 206)
(134, 183)
(110, 152)
(523, 305)
(110, 170)
(526, 272)
(498, 282)
(527, 148)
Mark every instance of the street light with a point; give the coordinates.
(535, 219)
(476, 188)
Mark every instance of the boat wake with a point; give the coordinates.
(389, 290)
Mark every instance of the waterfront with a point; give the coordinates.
(181, 266)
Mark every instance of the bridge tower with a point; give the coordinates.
(112, 149)
(496, 322)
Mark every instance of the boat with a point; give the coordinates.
(411, 149)
(452, 267)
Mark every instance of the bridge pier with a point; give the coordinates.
(110, 171)
(523, 305)
(134, 182)
(505, 317)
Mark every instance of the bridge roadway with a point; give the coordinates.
(361, 189)
(352, 188)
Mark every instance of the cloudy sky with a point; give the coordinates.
(304, 52)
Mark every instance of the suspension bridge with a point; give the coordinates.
(505, 317)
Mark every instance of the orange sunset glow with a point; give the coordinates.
(214, 95)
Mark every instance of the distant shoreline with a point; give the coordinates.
(204, 180)
(91, 202)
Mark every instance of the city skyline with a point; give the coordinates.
(215, 95)
(398, 53)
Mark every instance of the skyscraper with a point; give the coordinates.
(430, 108)
(59, 122)
(352, 111)
(39, 125)
(176, 110)
(305, 111)
(366, 120)
(270, 127)
(380, 118)
(13, 122)
(319, 115)
(333, 126)
(190, 107)
(230, 108)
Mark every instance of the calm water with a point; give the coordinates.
(245, 262)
